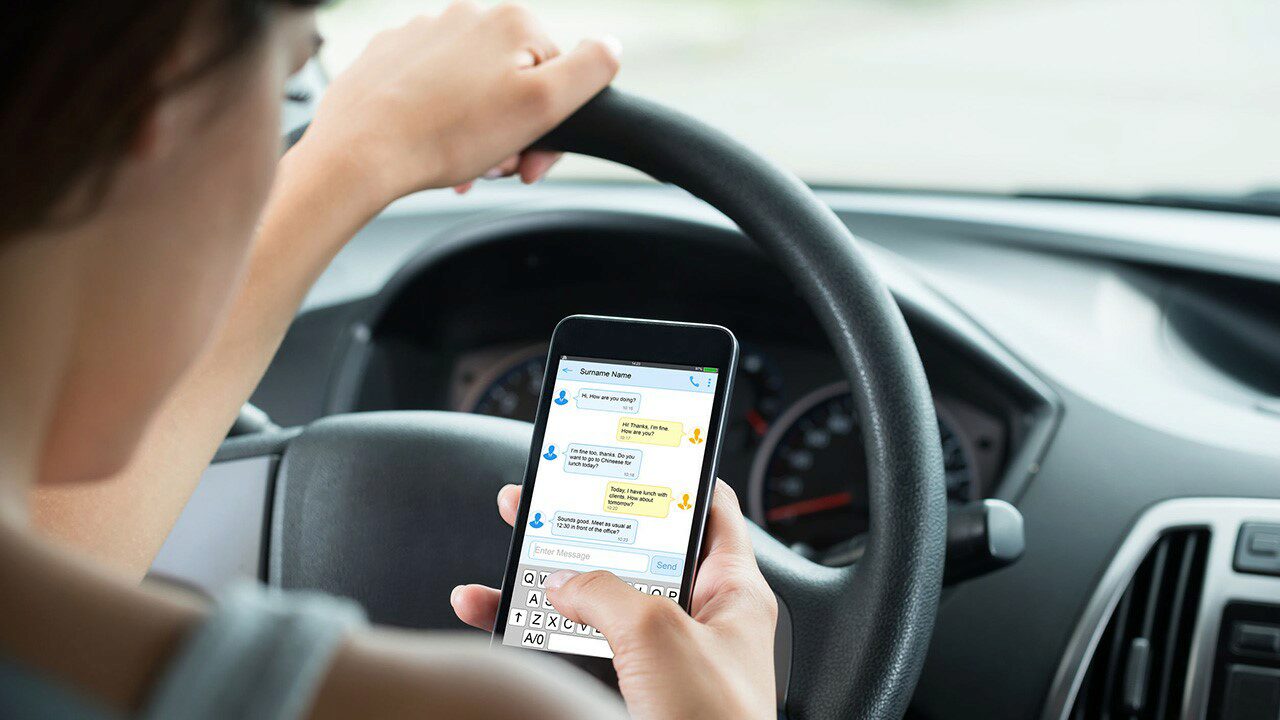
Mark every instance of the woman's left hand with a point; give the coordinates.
(446, 99)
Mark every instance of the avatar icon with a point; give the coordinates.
(562, 400)
(684, 504)
(536, 522)
(550, 454)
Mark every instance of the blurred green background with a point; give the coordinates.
(1112, 96)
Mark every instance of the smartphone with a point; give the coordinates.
(620, 472)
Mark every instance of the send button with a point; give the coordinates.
(667, 565)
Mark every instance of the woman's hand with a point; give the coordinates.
(715, 663)
(444, 100)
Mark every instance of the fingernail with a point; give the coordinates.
(613, 44)
(559, 579)
(453, 596)
(493, 174)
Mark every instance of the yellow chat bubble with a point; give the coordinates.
(643, 500)
(650, 432)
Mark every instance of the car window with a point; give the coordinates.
(1097, 96)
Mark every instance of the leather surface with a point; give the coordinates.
(396, 509)
(860, 633)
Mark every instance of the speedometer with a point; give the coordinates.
(808, 483)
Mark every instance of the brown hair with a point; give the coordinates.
(78, 78)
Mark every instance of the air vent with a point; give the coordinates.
(1139, 668)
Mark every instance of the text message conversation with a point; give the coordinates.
(615, 489)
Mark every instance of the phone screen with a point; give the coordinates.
(615, 489)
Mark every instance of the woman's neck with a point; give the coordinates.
(39, 280)
(13, 506)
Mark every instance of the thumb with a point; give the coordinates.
(603, 601)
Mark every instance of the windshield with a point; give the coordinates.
(1114, 97)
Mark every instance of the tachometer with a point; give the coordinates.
(756, 401)
(512, 390)
(808, 484)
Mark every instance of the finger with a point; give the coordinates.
(503, 169)
(462, 10)
(464, 188)
(534, 165)
(576, 76)
(509, 503)
(726, 528)
(475, 605)
(603, 601)
(730, 585)
(536, 52)
(526, 30)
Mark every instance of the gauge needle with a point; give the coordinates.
(758, 424)
(810, 506)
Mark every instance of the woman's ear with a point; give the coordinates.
(146, 139)
(157, 134)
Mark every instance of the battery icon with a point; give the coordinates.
(709, 370)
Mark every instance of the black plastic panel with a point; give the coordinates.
(1244, 660)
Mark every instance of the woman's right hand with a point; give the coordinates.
(715, 663)
(446, 99)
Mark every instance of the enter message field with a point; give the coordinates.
(595, 557)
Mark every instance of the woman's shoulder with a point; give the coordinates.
(261, 652)
(32, 696)
(102, 650)
(265, 653)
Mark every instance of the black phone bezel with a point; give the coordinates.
(628, 340)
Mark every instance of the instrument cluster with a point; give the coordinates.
(793, 446)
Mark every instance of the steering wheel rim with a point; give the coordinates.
(859, 634)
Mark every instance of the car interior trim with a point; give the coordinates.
(1223, 517)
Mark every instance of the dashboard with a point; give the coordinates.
(792, 436)
(1104, 368)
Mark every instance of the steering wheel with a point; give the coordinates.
(395, 509)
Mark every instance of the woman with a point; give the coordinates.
(152, 253)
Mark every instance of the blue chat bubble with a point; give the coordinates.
(601, 461)
(594, 527)
(618, 401)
